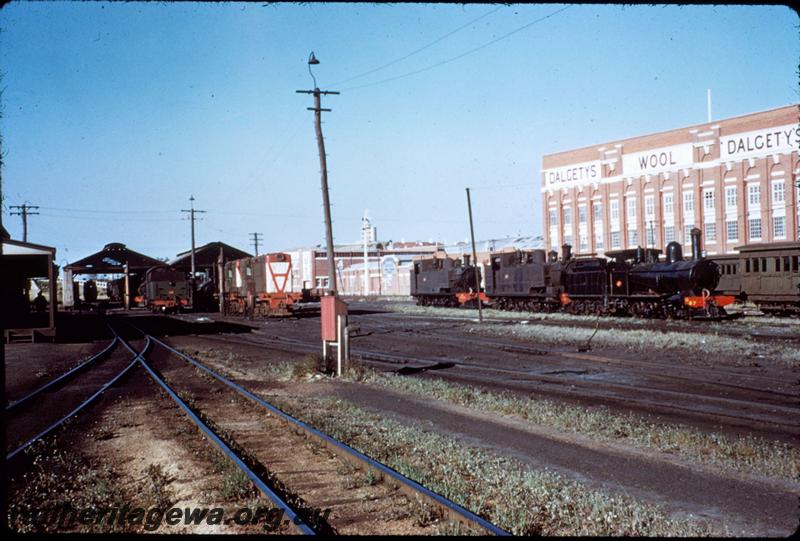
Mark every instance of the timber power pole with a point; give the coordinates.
(254, 240)
(192, 211)
(323, 171)
(24, 211)
(475, 258)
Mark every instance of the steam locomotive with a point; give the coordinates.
(445, 281)
(629, 282)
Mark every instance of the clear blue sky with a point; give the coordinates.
(113, 114)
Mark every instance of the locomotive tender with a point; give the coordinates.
(630, 282)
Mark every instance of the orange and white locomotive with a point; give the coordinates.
(260, 286)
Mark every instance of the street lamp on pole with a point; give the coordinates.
(312, 60)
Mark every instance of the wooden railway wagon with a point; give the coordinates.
(260, 286)
(767, 275)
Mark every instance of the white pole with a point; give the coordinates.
(364, 229)
(709, 104)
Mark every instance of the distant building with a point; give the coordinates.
(735, 179)
(388, 265)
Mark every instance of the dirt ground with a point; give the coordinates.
(142, 438)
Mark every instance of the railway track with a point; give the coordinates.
(299, 516)
(727, 328)
(707, 403)
(40, 413)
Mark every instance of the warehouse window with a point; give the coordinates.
(582, 214)
(568, 239)
(754, 195)
(651, 237)
(669, 233)
(597, 210)
(567, 216)
(631, 202)
(779, 227)
(730, 197)
(711, 233)
(708, 199)
(688, 202)
(553, 217)
(732, 230)
(668, 204)
(778, 193)
(584, 243)
(649, 206)
(687, 234)
(633, 238)
(615, 209)
(598, 240)
(615, 240)
(755, 228)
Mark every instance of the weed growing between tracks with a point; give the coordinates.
(738, 350)
(745, 454)
(503, 490)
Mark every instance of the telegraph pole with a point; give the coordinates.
(254, 240)
(323, 170)
(192, 212)
(474, 258)
(24, 211)
(365, 234)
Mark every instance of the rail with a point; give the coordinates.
(454, 510)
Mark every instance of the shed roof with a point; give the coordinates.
(206, 255)
(111, 259)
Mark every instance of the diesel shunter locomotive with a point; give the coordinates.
(260, 286)
(166, 289)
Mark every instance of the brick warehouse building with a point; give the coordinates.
(735, 179)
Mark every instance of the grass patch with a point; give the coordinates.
(738, 350)
(746, 454)
(503, 490)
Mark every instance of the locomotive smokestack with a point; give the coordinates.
(466, 260)
(552, 256)
(566, 252)
(697, 252)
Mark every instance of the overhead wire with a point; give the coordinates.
(462, 55)
(412, 53)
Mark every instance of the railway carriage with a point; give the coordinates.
(767, 275)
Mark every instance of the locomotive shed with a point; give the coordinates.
(139, 434)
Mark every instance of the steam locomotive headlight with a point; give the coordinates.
(618, 283)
